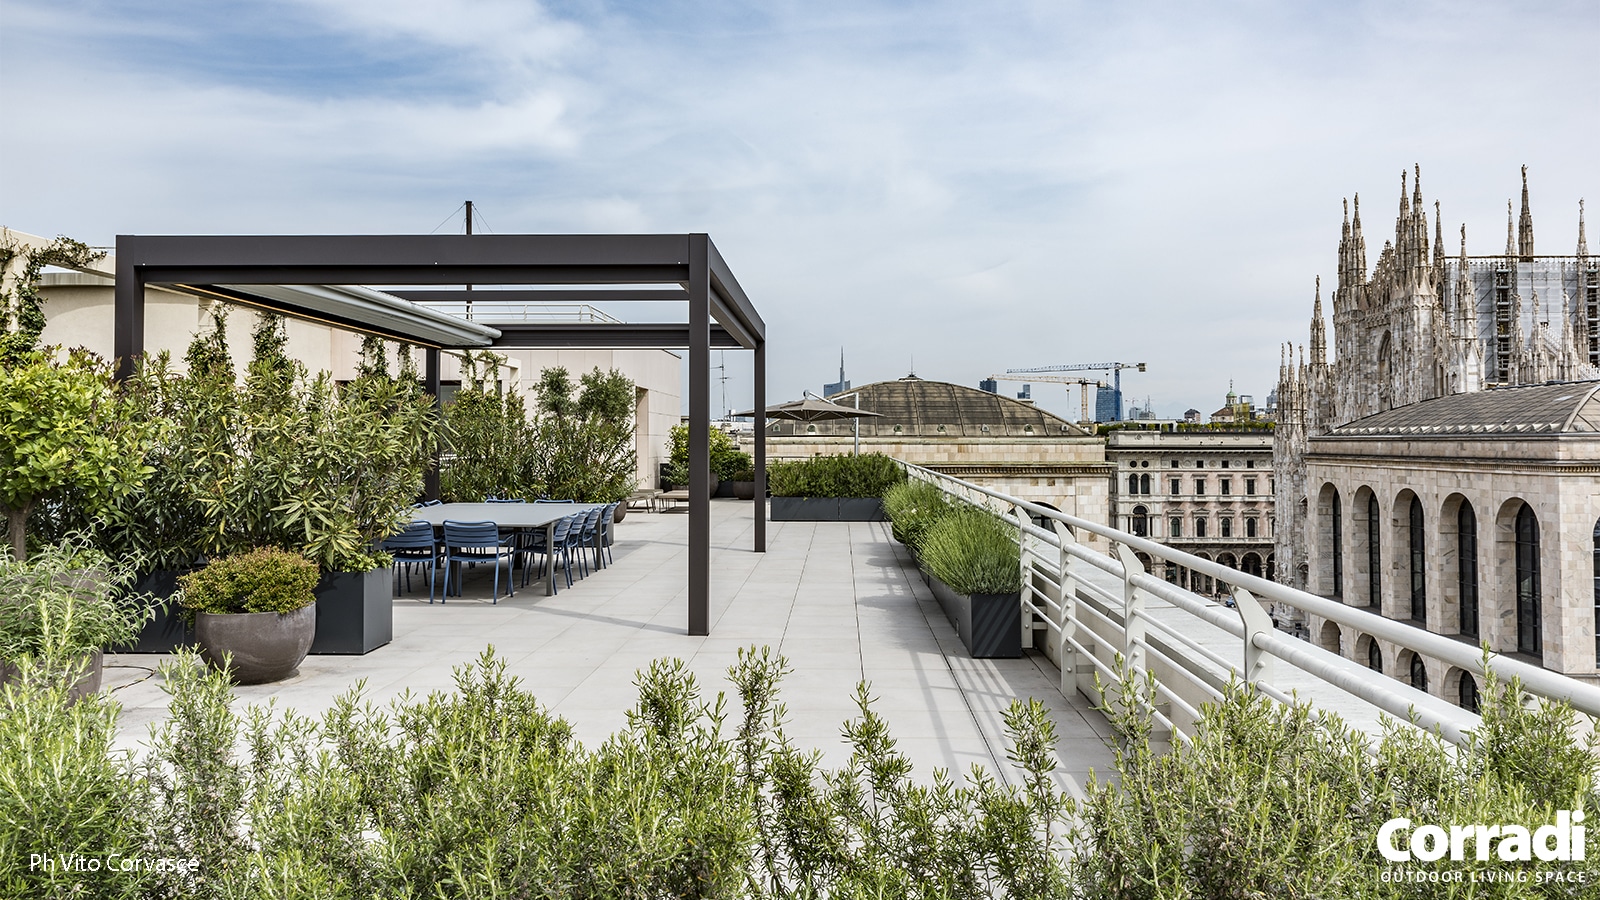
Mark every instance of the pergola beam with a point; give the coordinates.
(688, 268)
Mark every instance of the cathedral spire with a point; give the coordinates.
(1358, 246)
(1525, 224)
(1583, 243)
(1319, 330)
(1511, 233)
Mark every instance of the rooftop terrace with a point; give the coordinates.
(842, 601)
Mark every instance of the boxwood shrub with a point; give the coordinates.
(869, 475)
(263, 580)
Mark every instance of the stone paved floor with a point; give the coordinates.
(841, 601)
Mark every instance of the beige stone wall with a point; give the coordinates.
(1557, 477)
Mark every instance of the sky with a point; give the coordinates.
(951, 187)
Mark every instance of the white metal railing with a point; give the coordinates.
(1094, 606)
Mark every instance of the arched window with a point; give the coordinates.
(1374, 656)
(1133, 484)
(1338, 546)
(1597, 592)
(1467, 694)
(1529, 639)
(1467, 568)
(1419, 562)
(1419, 673)
(1141, 521)
(1374, 558)
(1144, 484)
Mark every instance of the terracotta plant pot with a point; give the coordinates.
(264, 647)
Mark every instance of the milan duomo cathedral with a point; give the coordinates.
(1426, 324)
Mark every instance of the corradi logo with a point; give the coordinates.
(1563, 841)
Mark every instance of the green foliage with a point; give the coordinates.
(22, 317)
(65, 430)
(584, 444)
(262, 580)
(727, 461)
(869, 475)
(65, 793)
(1286, 801)
(580, 445)
(282, 460)
(66, 600)
(913, 506)
(973, 551)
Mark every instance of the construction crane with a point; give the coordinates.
(1083, 387)
(1113, 367)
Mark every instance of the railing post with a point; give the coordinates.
(1025, 596)
(1256, 621)
(1132, 611)
(1072, 679)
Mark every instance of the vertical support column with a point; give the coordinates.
(430, 379)
(760, 449)
(1076, 673)
(1256, 621)
(1133, 626)
(128, 313)
(699, 435)
(1026, 595)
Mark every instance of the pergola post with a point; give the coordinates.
(761, 446)
(127, 342)
(699, 435)
(430, 378)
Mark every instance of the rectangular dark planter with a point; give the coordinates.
(167, 631)
(990, 625)
(827, 509)
(355, 612)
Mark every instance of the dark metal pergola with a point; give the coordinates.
(719, 313)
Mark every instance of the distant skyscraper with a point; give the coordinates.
(990, 385)
(1107, 405)
(828, 390)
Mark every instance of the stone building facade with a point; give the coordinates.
(1003, 444)
(1203, 490)
(1423, 328)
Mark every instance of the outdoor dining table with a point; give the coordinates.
(509, 515)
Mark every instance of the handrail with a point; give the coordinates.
(1389, 694)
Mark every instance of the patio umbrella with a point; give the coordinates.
(815, 409)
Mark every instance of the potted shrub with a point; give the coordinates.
(832, 488)
(255, 613)
(64, 607)
(972, 562)
(912, 508)
(740, 484)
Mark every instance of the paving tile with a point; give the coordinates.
(840, 600)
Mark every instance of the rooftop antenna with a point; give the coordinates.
(722, 366)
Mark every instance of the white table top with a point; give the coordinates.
(507, 515)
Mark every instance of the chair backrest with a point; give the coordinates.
(608, 521)
(504, 500)
(564, 528)
(433, 503)
(555, 501)
(591, 521)
(418, 535)
(471, 534)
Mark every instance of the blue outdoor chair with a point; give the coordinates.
(541, 500)
(504, 500)
(475, 542)
(557, 550)
(414, 546)
(608, 530)
(589, 537)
